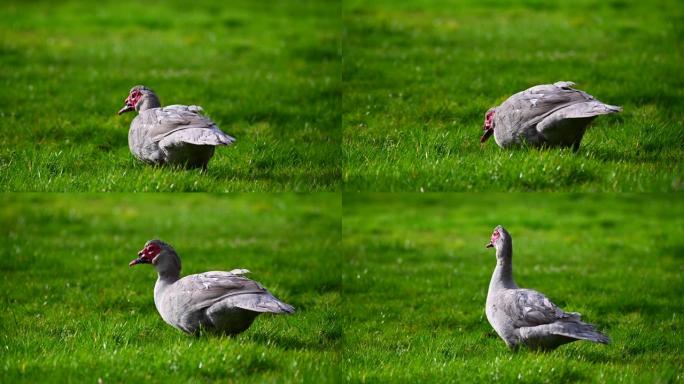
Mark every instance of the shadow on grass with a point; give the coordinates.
(324, 343)
(328, 178)
(647, 154)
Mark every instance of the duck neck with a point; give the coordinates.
(503, 273)
(149, 100)
(164, 280)
(167, 277)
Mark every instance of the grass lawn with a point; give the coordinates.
(73, 311)
(268, 74)
(417, 272)
(419, 76)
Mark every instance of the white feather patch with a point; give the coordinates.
(239, 271)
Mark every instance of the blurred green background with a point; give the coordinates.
(267, 73)
(73, 311)
(416, 275)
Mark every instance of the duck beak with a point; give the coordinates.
(487, 134)
(489, 245)
(140, 260)
(126, 108)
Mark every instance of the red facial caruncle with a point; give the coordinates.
(489, 120)
(488, 125)
(147, 254)
(131, 101)
(494, 238)
(495, 235)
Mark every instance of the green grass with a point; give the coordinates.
(418, 77)
(266, 73)
(73, 311)
(416, 277)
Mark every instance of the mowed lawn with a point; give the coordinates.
(266, 73)
(73, 311)
(419, 76)
(417, 272)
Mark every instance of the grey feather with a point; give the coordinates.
(216, 301)
(177, 134)
(547, 115)
(527, 317)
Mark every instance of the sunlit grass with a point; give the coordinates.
(73, 311)
(419, 76)
(266, 74)
(417, 271)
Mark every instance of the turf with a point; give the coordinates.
(73, 311)
(416, 275)
(266, 73)
(419, 76)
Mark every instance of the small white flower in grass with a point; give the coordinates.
(200, 365)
